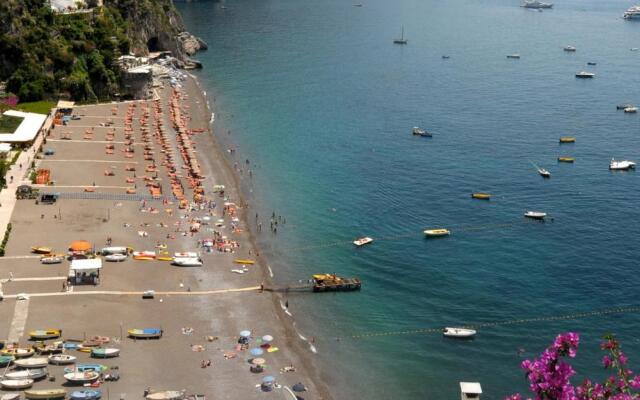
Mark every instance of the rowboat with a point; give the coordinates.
(14, 384)
(567, 139)
(363, 241)
(242, 261)
(481, 196)
(166, 395)
(33, 362)
(115, 257)
(81, 377)
(18, 352)
(35, 374)
(52, 260)
(434, 233)
(62, 359)
(41, 249)
(459, 333)
(105, 352)
(45, 394)
(535, 214)
(85, 395)
(6, 360)
(49, 348)
(86, 368)
(45, 334)
(566, 159)
(149, 333)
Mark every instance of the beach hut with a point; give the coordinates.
(470, 390)
(85, 271)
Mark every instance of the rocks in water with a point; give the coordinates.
(191, 44)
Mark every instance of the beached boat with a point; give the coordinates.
(114, 250)
(86, 368)
(52, 348)
(16, 384)
(332, 282)
(146, 333)
(33, 362)
(435, 233)
(623, 165)
(35, 374)
(18, 352)
(566, 159)
(187, 262)
(362, 241)
(6, 360)
(105, 352)
(402, 40)
(535, 215)
(481, 196)
(61, 359)
(10, 396)
(41, 249)
(244, 261)
(45, 334)
(45, 394)
(459, 333)
(52, 260)
(85, 395)
(421, 132)
(117, 257)
(81, 377)
(567, 139)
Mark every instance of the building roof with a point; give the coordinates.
(470, 387)
(84, 265)
(27, 130)
(65, 104)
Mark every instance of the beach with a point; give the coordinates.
(200, 310)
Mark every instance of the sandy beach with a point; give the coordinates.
(201, 310)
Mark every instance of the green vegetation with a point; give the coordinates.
(5, 239)
(39, 107)
(9, 124)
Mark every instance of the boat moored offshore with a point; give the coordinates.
(459, 333)
(334, 283)
(420, 132)
(632, 13)
(536, 4)
(436, 233)
(363, 241)
(623, 165)
(535, 215)
(585, 75)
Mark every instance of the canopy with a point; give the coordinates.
(245, 333)
(80, 245)
(84, 265)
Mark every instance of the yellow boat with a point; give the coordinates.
(481, 196)
(144, 258)
(566, 159)
(43, 394)
(45, 334)
(567, 139)
(240, 261)
(433, 233)
(18, 352)
(41, 249)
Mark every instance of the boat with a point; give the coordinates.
(591, 63)
(45, 334)
(459, 333)
(544, 173)
(166, 395)
(536, 4)
(186, 254)
(10, 396)
(585, 75)
(114, 250)
(105, 352)
(632, 13)
(61, 359)
(35, 374)
(45, 394)
(85, 395)
(481, 196)
(420, 132)
(6, 360)
(623, 106)
(567, 139)
(53, 348)
(514, 56)
(116, 257)
(535, 215)
(187, 262)
(623, 165)
(333, 283)
(243, 261)
(86, 368)
(566, 159)
(402, 40)
(362, 241)
(33, 362)
(52, 260)
(631, 110)
(40, 249)
(145, 333)
(144, 255)
(570, 49)
(18, 352)
(435, 233)
(81, 377)
(15, 384)
(445, 57)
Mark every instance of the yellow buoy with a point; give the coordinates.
(566, 159)
(481, 196)
(567, 139)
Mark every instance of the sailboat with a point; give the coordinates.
(402, 40)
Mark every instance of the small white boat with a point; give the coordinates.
(362, 241)
(536, 4)
(116, 257)
(10, 396)
(544, 173)
(15, 384)
(35, 374)
(52, 260)
(186, 254)
(166, 395)
(434, 233)
(81, 377)
(114, 250)
(62, 359)
(461, 333)
(585, 75)
(623, 106)
(33, 362)
(631, 110)
(187, 262)
(569, 48)
(535, 215)
(420, 132)
(623, 165)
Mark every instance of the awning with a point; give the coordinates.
(85, 265)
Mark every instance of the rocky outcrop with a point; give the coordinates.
(190, 43)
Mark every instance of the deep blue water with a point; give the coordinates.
(322, 102)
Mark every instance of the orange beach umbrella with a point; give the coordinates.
(80, 245)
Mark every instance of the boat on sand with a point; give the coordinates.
(85, 395)
(166, 395)
(62, 359)
(145, 333)
(105, 352)
(45, 394)
(15, 384)
(35, 374)
(81, 377)
(33, 362)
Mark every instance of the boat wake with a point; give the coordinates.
(213, 118)
(302, 337)
(286, 311)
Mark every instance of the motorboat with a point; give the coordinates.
(85, 395)
(114, 250)
(81, 377)
(481, 196)
(631, 110)
(420, 132)
(187, 262)
(33, 362)
(62, 359)
(52, 260)
(535, 215)
(544, 173)
(145, 333)
(45, 394)
(434, 233)
(458, 333)
(35, 374)
(623, 165)
(117, 257)
(623, 106)
(16, 384)
(565, 159)
(514, 56)
(166, 395)
(362, 241)
(402, 40)
(570, 49)
(105, 352)
(45, 334)
(567, 139)
(536, 4)
(632, 13)
(585, 75)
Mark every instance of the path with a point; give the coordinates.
(20, 314)
(121, 293)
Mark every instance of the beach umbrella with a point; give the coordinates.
(245, 333)
(299, 387)
(256, 351)
(80, 245)
(268, 380)
(258, 361)
(267, 338)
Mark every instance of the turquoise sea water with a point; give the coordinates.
(322, 102)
